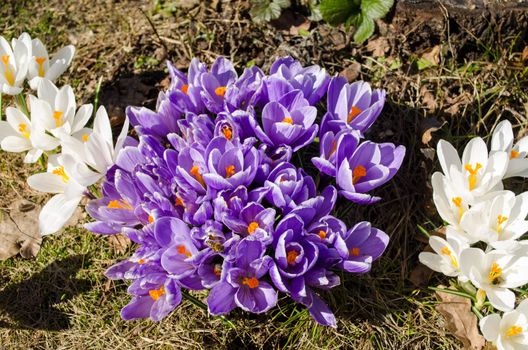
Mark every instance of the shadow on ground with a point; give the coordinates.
(33, 303)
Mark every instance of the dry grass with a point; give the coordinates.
(62, 300)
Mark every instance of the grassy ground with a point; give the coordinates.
(61, 300)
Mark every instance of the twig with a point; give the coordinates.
(162, 43)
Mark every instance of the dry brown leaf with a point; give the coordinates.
(351, 72)
(420, 275)
(379, 47)
(457, 102)
(427, 127)
(432, 55)
(19, 230)
(303, 27)
(428, 100)
(119, 243)
(460, 320)
(524, 54)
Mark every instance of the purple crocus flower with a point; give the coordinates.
(288, 121)
(244, 285)
(195, 130)
(353, 105)
(229, 166)
(369, 166)
(154, 297)
(312, 80)
(185, 91)
(294, 256)
(216, 83)
(326, 162)
(241, 94)
(253, 220)
(287, 186)
(230, 202)
(364, 244)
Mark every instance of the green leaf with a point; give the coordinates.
(336, 12)
(365, 30)
(282, 3)
(376, 8)
(264, 10)
(424, 63)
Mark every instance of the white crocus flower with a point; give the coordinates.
(62, 119)
(509, 332)
(97, 151)
(499, 219)
(14, 62)
(495, 273)
(41, 66)
(446, 258)
(502, 141)
(450, 205)
(475, 175)
(59, 180)
(19, 134)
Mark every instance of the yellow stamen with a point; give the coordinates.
(513, 330)
(150, 219)
(185, 88)
(358, 173)
(195, 171)
(9, 75)
(228, 133)
(514, 154)
(57, 115)
(354, 112)
(252, 227)
(472, 180)
(22, 128)
(120, 204)
(334, 147)
(322, 234)
(447, 252)
(183, 250)
(60, 172)
(155, 294)
(457, 201)
(287, 120)
(141, 261)
(220, 91)
(230, 171)
(291, 256)
(85, 137)
(40, 62)
(495, 273)
(500, 220)
(250, 282)
(355, 251)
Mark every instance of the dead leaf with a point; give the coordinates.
(420, 275)
(432, 55)
(379, 47)
(351, 72)
(460, 320)
(429, 153)
(300, 29)
(524, 54)
(19, 230)
(119, 243)
(457, 102)
(427, 127)
(428, 100)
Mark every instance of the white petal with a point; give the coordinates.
(65, 54)
(81, 118)
(475, 152)
(490, 327)
(47, 182)
(44, 141)
(47, 91)
(501, 298)
(448, 157)
(15, 117)
(6, 130)
(121, 138)
(102, 125)
(471, 257)
(15, 144)
(33, 155)
(56, 213)
(10, 90)
(502, 138)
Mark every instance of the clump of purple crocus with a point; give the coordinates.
(214, 194)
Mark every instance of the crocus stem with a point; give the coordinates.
(97, 91)
(21, 102)
(454, 292)
(202, 306)
(42, 162)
